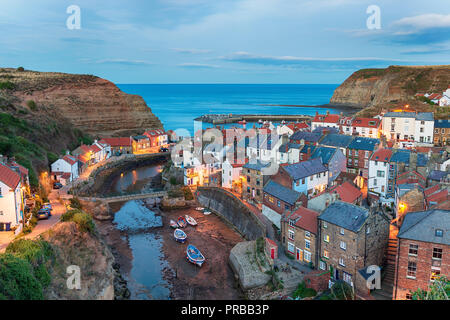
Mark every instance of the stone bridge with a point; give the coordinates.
(127, 197)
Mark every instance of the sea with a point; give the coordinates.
(177, 105)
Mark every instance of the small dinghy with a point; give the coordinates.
(194, 255)
(206, 212)
(173, 224)
(179, 236)
(199, 208)
(191, 220)
(182, 222)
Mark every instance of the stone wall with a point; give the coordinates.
(233, 210)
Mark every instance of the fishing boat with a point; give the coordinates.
(179, 236)
(173, 224)
(206, 212)
(194, 255)
(191, 220)
(199, 208)
(182, 222)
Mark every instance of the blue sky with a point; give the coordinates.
(218, 41)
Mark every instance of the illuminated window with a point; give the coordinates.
(326, 238)
(326, 254)
(307, 256)
(291, 235)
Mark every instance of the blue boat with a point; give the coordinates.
(194, 255)
(180, 236)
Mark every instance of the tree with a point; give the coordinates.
(438, 290)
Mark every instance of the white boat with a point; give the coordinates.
(206, 212)
(180, 236)
(191, 220)
(199, 208)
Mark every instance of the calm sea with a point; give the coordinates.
(177, 105)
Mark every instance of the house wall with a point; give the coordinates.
(10, 202)
(299, 241)
(381, 183)
(403, 127)
(441, 136)
(427, 128)
(317, 182)
(424, 259)
(336, 165)
(253, 189)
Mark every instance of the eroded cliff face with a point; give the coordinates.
(91, 104)
(368, 88)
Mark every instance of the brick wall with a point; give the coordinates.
(317, 280)
(256, 183)
(423, 260)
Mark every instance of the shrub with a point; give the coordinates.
(84, 221)
(303, 292)
(75, 203)
(20, 69)
(7, 85)
(32, 105)
(173, 181)
(69, 215)
(188, 194)
(341, 290)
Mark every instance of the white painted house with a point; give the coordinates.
(67, 164)
(404, 126)
(11, 197)
(379, 171)
(231, 172)
(424, 127)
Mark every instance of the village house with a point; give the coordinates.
(304, 137)
(299, 233)
(118, 146)
(366, 127)
(333, 159)
(438, 177)
(254, 180)
(11, 198)
(445, 100)
(67, 164)
(202, 174)
(19, 169)
(157, 137)
(409, 126)
(326, 120)
(231, 175)
(307, 177)
(398, 164)
(290, 128)
(377, 181)
(422, 254)
(346, 192)
(351, 238)
(441, 132)
(141, 144)
(265, 147)
(359, 152)
(345, 125)
(278, 199)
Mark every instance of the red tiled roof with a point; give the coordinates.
(70, 159)
(438, 197)
(85, 148)
(431, 190)
(271, 242)
(347, 192)
(9, 177)
(365, 122)
(327, 118)
(117, 142)
(307, 219)
(83, 158)
(382, 155)
(95, 148)
(22, 169)
(297, 126)
(435, 96)
(66, 175)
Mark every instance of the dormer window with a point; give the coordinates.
(439, 233)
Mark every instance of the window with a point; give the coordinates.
(326, 238)
(437, 253)
(297, 183)
(303, 181)
(322, 265)
(291, 247)
(341, 262)
(325, 225)
(291, 235)
(347, 278)
(307, 244)
(368, 230)
(326, 254)
(248, 179)
(286, 207)
(380, 173)
(412, 269)
(366, 154)
(343, 245)
(307, 256)
(374, 182)
(342, 231)
(349, 152)
(307, 234)
(437, 233)
(278, 203)
(435, 273)
(408, 296)
(291, 223)
(413, 248)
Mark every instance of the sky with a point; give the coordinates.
(223, 41)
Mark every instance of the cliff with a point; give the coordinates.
(95, 106)
(375, 89)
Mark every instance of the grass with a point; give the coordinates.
(82, 219)
(303, 292)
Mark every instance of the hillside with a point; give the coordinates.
(393, 87)
(44, 114)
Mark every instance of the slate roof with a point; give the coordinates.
(442, 123)
(281, 192)
(421, 116)
(307, 136)
(336, 140)
(363, 143)
(256, 165)
(425, 116)
(437, 175)
(305, 168)
(328, 129)
(421, 226)
(306, 147)
(345, 215)
(401, 156)
(325, 153)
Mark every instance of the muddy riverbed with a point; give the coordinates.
(154, 264)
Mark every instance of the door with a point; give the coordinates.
(272, 253)
(299, 255)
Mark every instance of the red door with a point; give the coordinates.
(272, 253)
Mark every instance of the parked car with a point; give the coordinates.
(162, 149)
(43, 215)
(57, 185)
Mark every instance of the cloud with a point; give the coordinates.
(127, 62)
(425, 21)
(291, 61)
(192, 51)
(198, 66)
